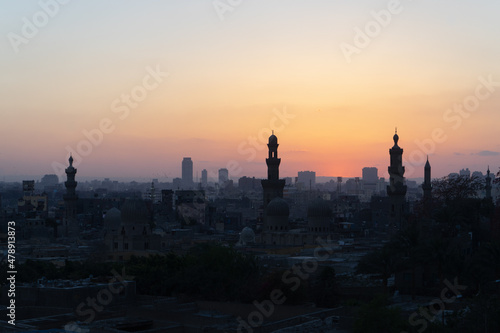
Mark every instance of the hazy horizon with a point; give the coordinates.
(133, 87)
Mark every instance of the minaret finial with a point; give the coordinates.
(396, 137)
(273, 132)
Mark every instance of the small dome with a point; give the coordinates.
(113, 219)
(319, 208)
(277, 207)
(247, 235)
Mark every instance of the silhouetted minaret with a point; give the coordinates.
(488, 184)
(426, 186)
(396, 190)
(272, 186)
(70, 198)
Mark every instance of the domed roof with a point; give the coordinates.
(273, 139)
(319, 208)
(277, 207)
(134, 211)
(113, 218)
(247, 235)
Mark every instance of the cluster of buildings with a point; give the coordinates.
(276, 218)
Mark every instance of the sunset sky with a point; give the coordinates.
(151, 82)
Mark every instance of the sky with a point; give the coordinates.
(131, 87)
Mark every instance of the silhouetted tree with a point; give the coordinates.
(382, 261)
(408, 243)
(293, 288)
(324, 288)
(376, 317)
(456, 187)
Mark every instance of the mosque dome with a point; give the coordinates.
(247, 236)
(319, 208)
(113, 219)
(319, 215)
(134, 211)
(277, 207)
(277, 212)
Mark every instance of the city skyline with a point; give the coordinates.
(212, 84)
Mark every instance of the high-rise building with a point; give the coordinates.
(370, 178)
(223, 176)
(204, 177)
(247, 184)
(307, 178)
(396, 190)
(187, 172)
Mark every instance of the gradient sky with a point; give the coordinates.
(230, 73)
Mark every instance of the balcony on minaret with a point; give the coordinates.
(273, 162)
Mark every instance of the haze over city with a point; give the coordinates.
(133, 87)
(234, 166)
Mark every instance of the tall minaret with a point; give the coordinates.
(272, 186)
(427, 187)
(70, 197)
(488, 184)
(396, 190)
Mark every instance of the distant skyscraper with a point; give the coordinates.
(187, 172)
(370, 178)
(396, 190)
(204, 177)
(308, 178)
(249, 184)
(370, 174)
(223, 176)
